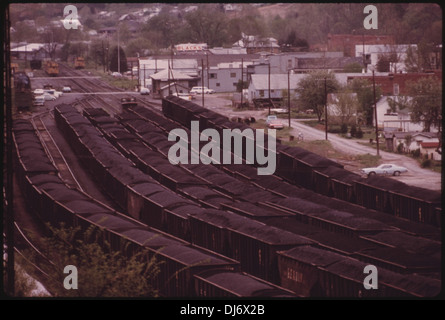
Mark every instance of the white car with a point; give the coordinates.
(199, 90)
(38, 92)
(49, 97)
(144, 90)
(66, 89)
(271, 118)
(385, 169)
(185, 96)
(116, 75)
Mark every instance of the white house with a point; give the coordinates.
(259, 85)
(148, 67)
(399, 120)
(374, 51)
(427, 142)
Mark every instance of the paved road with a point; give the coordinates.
(415, 176)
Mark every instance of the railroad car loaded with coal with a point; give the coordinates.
(184, 268)
(306, 169)
(149, 191)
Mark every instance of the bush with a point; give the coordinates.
(353, 130)
(359, 133)
(344, 128)
(426, 163)
(416, 153)
(400, 148)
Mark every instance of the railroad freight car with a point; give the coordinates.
(314, 272)
(52, 68)
(222, 284)
(79, 63)
(250, 242)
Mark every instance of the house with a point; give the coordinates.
(254, 44)
(149, 67)
(346, 113)
(30, 51)
(225, 76)
(396, 120)
(411, 141)
(398, 52)
(163, 81)
(430, 150)
(259, 85)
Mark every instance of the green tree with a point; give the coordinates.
(426, 102)
(311, 91)
(115, 58)
(354, 67)
(365, 97)
(102, 272)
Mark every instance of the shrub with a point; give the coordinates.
(344, 128)
(426, 163)
(416, 153)
(359, 133)
(353, 130)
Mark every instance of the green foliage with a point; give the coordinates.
(426, 163)
(344, 128)
(353, 131)
(426, 103)
(312, 91)
(359, 133)
(365, 96)
(400, 148)
(102, 272)
(416, 153)
(115, 58)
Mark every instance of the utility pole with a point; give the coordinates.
(202, 81)
(118, 52)
(242, 81)
(325, 109)
(269, 86)
(375, 115)
(288, 95)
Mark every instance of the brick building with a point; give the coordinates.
(396, 83)
(347, 42)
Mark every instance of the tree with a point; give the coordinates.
(426, 102)
(347, 105)
(354, 67)
(311, 91)
(102, 272)
(115, 58)
(365, 97)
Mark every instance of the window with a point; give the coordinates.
(396, 89)
(261, 93)
(218, 84)
(289, 63)
(213, 76)
(233, 75)
(235, 84)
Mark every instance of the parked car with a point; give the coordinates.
(199, 90)
(144, 91)
(49, 97)
(116, 75)
(271, 118)
(385, 169)
(39, 100)
(275, 124)
(66, 89)
(185, 96)
(38, 92)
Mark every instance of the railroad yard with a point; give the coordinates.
(222, 230)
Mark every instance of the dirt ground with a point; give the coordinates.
(416, 175)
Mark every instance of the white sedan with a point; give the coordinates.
(385, 169)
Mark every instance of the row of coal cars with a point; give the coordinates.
(257, 221)
(308, 170)
(186, 270)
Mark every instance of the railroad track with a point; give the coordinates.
(54, 153)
